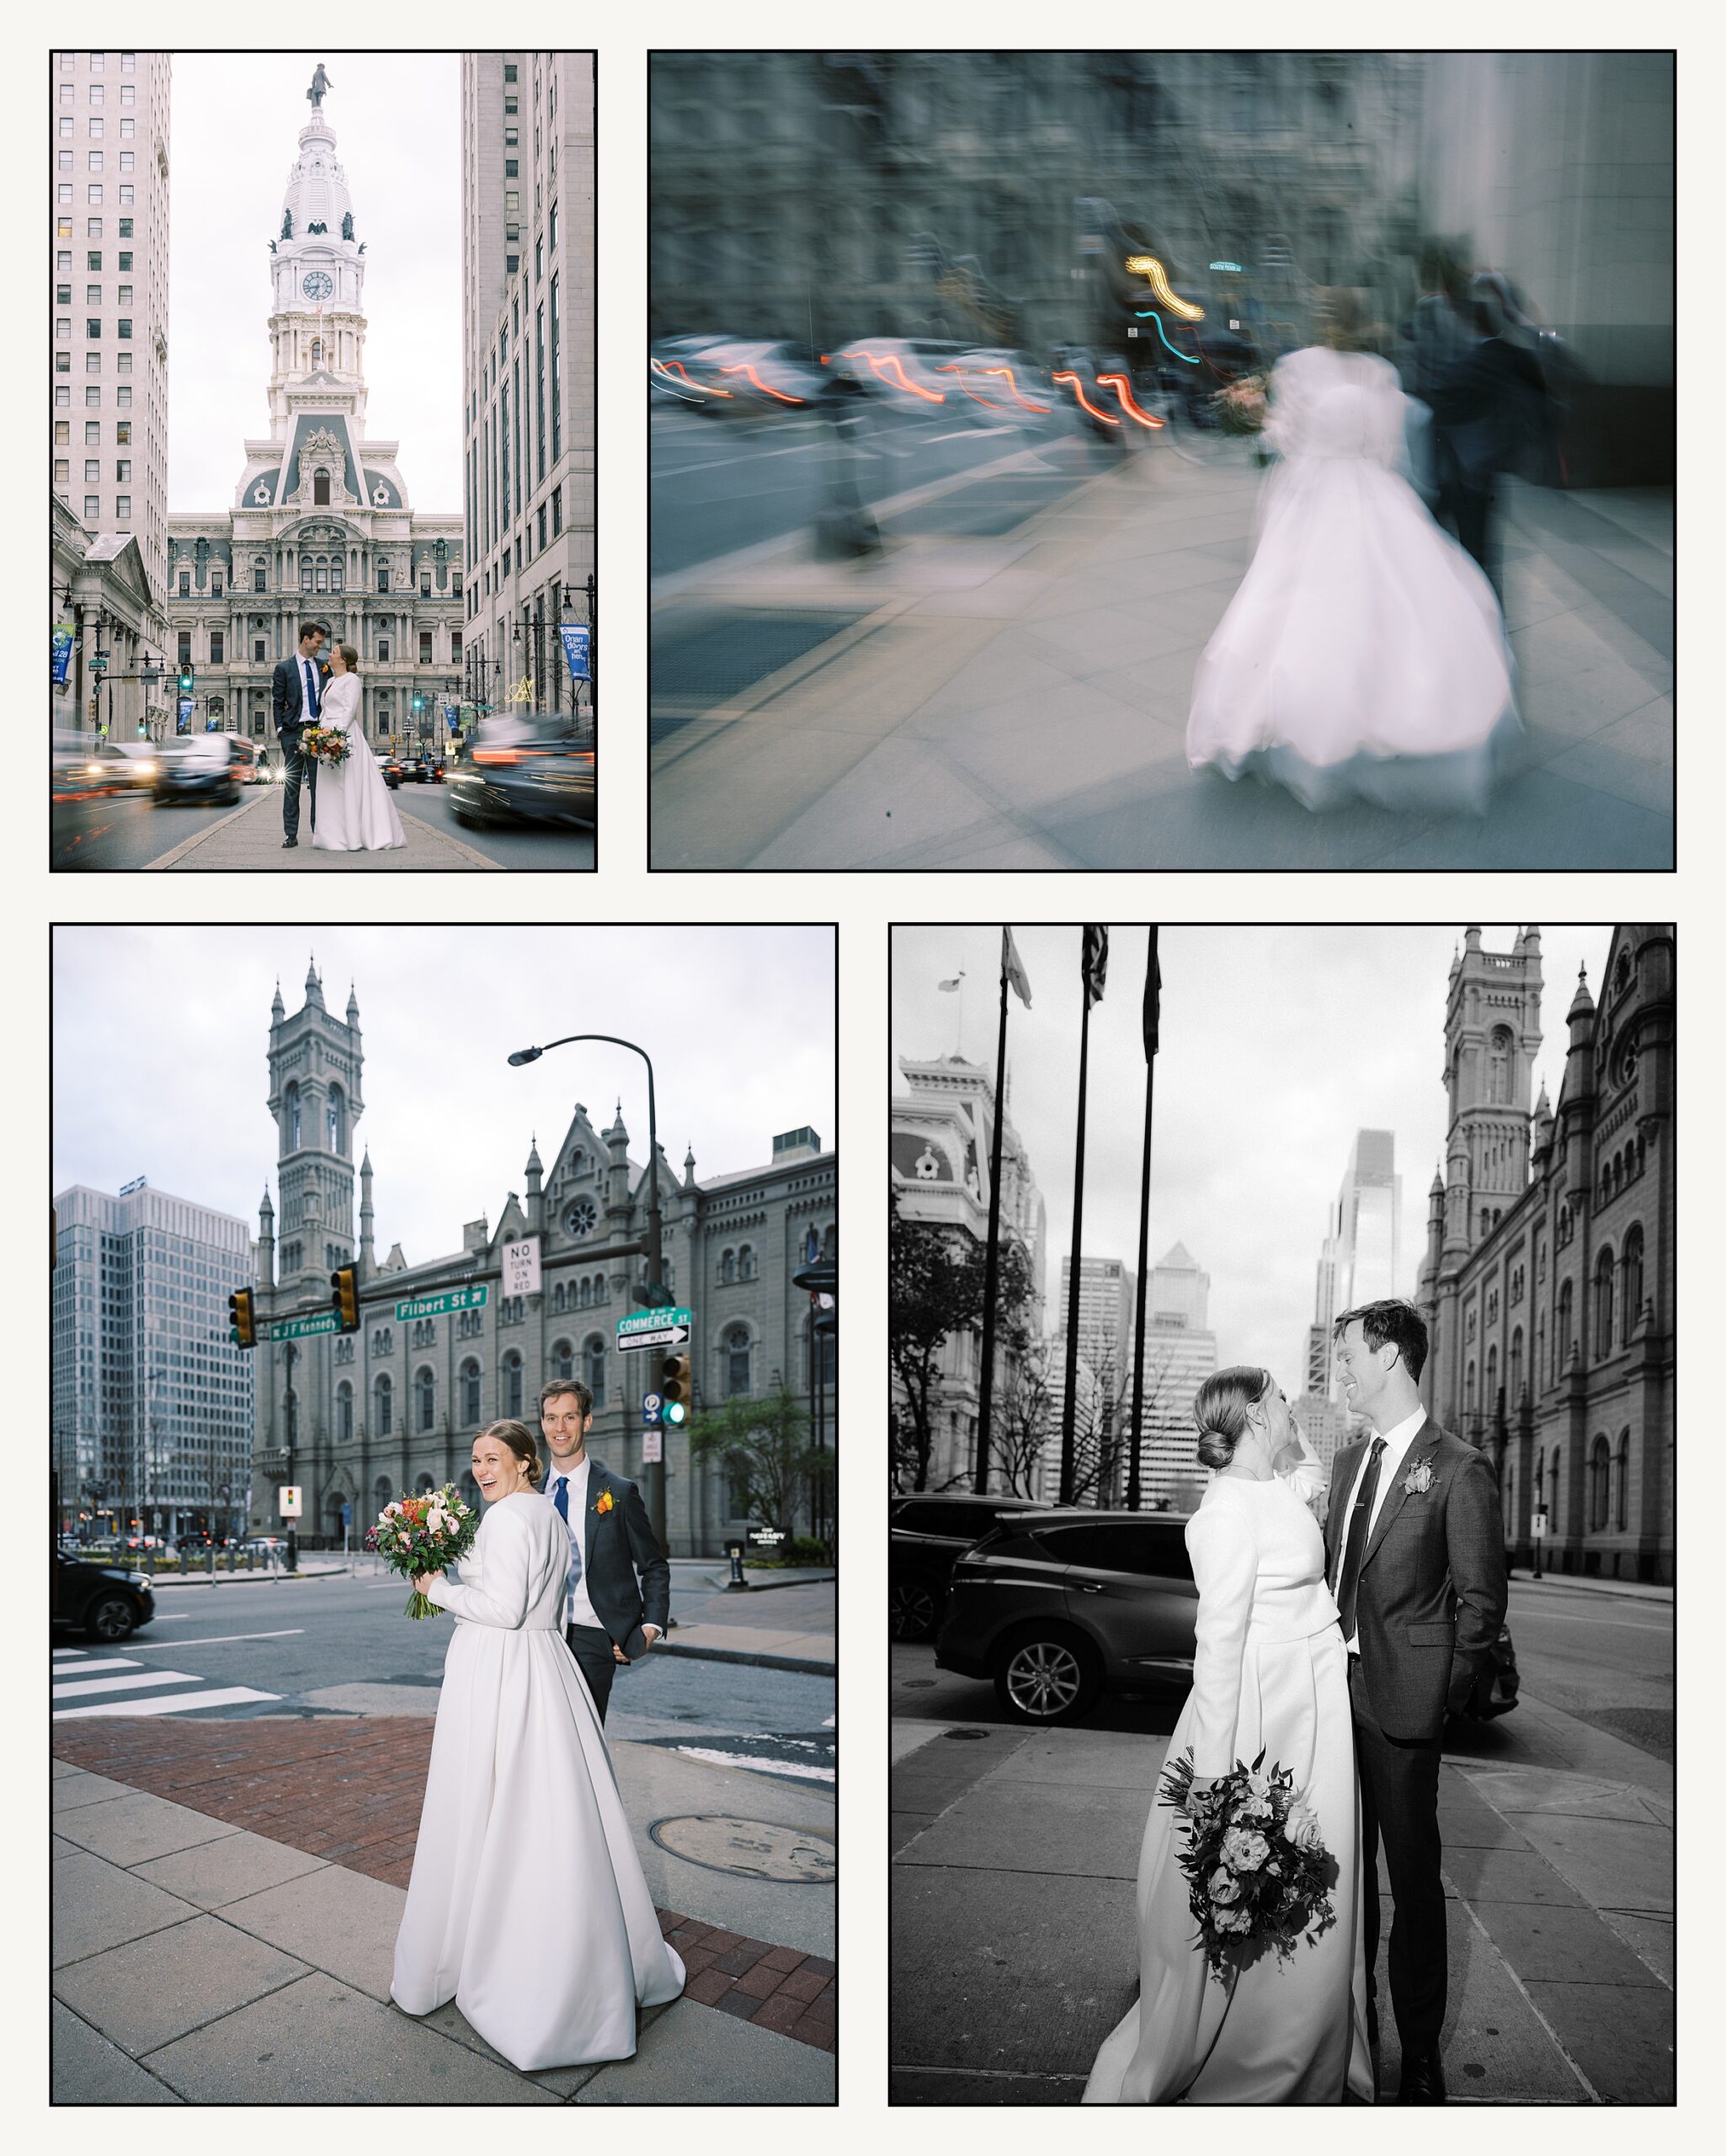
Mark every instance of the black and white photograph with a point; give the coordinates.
(1281, 1365)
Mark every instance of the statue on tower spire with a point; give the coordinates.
(320, 82)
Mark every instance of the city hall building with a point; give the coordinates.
(1548, 1284)
(356, 1419)
(321, 527)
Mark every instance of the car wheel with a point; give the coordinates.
(1047, 1677)
(913, 1609)
(110, 1617)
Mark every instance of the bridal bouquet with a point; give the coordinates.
(1240, 408)
(1256, 1867)
(328, 744)
(424, 1534)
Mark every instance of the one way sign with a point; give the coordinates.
(663, 1336)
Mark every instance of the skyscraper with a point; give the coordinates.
(1180, 1353)
(528, 386)
(1360, 1261)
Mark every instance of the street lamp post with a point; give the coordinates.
(820, 1278)
(653, 1472)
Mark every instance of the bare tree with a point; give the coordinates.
(1025, 1421)
(1102, 1422)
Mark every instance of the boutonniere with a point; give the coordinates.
(1418, 1479)
(603, 1505)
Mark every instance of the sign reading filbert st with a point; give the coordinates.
(452, 1299)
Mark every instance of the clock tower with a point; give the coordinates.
(317, 276)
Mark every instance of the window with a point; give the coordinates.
(455, 647)
(736, 1351)
(126, 326)
(1566, 1325)
(1600, 1478)
(746, 1263)
(509, 71)
(62, 472)
(257, 651)
(123, 429)
(512, 1383)
(425, 584)
(185, 593)
(98, 90)
(538, 260)
(556, 384)
(128, 133)
(1516, 1367)
(1632, 1281)
(511, 105)
(562, 1360)
(469, 1390)
(127, 162)
(1623, 1480)
(92, 508)
(512, 201)
(95, 160)
(511, 170)
(125, 228)
(216, 647)
(126, 263)
(258, 576)
(557, 510)
(93, 471)
(128, 64)
(63, 395)
(126, 195)
(93, 296)
(97, 125)
(66, 126)
(383, 648)
(383, 578)
(425, 1400)
(1603, 1303)
(593, 1367)
(122, 506)
(425, 646)
(92, 329)
(344, 1412)
(62, 433)
(381, 1401)
(123, 397)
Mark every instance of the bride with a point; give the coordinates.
(1363, 656)
(354, 811)
(527, 1905)
(1270, 1670)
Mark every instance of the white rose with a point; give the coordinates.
(388, 1509)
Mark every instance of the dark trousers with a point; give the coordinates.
(295, 765)
(1468, 510)
(592, 1649)
(1399, 1801)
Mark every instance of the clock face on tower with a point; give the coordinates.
(317, 285)
(578, 1217)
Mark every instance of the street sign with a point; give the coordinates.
(1540, 1527)
(652, 1448)
(288, 1495)
(652, 1321)
(521, 1267)
(452, 1299)
(298, 1328)
(665, 1329)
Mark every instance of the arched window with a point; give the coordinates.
(821, 1349)
(317, 351)
(1491, 1401)
(737, 1485)
(512, 1383)
(830, 1244)
(469, 1390)
(578, 1162)
(1600, 1477)
(1516, 1389)
(586, 1294)
(728, 1266)
(562, 1360)
(1498, 1067)
(469, 1489)
(746, 1263)
(592, 1356)
(1567, 1316)
(737, 1361)
(382, 1491)
(293, 1116)
(1632, 1281)
(320, 489)
(336, 1121)
(1557, 1503)
(557, 1297)
(381, 1400)
(1603, 1303)
(1468, 1390)
(425, 1487)
(599, 1290)
(425, 1398)
(1623, 1480)
(344, 1412)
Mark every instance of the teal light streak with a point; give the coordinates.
(1150, 314)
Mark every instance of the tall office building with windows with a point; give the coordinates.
(151, 1403)
(528, 323)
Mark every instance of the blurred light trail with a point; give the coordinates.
(669, 367)
(1123, 389)
(952, 367)
(929, 396)
(1013, 390)
(744, 367)
(1154, 274)
(1108, 418)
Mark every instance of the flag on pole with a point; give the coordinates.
(1013, 966)
(1094, 967)
(1153, 1001)
(946, 987)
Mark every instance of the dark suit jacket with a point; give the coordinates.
(1433, 1586)
(288, 691)
(1490, 406)
(626, 1574)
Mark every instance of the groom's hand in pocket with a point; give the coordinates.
(1461, 1691)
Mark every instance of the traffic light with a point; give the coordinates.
(344, 1297)
(417, 702)
(242, 1323)
(186, 681)
(676, 1393)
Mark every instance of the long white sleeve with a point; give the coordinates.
(1225, 1565)
(1307, 1478)
(506, 1562)
(341, 701)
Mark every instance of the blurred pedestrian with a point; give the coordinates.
(1490, 410)
(1363, 655)
(1438, 334)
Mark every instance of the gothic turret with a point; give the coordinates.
(535, 1197)
(278, 1011)
(314, 987)
(266, 1242)
(353, 1008)
(1576, 1094)
(367, 1257)
(689, 1169)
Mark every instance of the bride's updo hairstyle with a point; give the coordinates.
(1342, 321)
(517, 1437)
(1220, 1410)
(350, 658)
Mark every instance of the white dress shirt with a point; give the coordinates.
(308, 689)
(1397, 1440)
(576, 1607)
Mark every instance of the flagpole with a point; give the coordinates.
(1071, 1382)
(991, 1277)
(1145, 1226)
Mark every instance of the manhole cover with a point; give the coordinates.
(749, 1849)
(965, 1732)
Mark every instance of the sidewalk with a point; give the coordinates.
(251, 837)
(1020, 702)
(1015, 1854)
(226, 1896)
(1629, 1590)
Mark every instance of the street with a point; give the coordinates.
(511, 845)
(124, 830)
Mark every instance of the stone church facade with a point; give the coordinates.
(1548, 1284)
(359, 1418)
(321, 527)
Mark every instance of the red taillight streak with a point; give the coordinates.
(1118, 383)
(1108, 418)
(676, 366)
(929, 396)
(969, 391)
(1013, 390)
(761, 385)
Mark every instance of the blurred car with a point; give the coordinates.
(670, 381)
(905, 371)
(198, 768)
(525, 767)
(247, 757)
(101, 1601)
(1002, 384)
(393, 767)
(1079, 375)
(749, 379)
(1056, 1607)
(926, 1533)
(141, 760)
(82, 766)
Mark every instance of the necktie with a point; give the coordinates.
(1360, 1519)
(310, 691)
(561, 1499)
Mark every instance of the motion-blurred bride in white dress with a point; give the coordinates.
(1364, 654)
(355, 813)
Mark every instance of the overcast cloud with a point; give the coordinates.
(1278, 1043)
(161, 1033)
(236, 123)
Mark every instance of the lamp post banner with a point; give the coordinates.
(62, 652)
(575, 649)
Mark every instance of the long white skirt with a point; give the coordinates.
(1276, 2032)
(355, 813)
(527, 1904)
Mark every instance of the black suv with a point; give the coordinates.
(1055, 1606)
(927, 1532)
(103, 1602)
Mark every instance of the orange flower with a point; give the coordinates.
(605, 1503)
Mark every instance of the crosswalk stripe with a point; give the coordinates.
(83, 1667)
(182, 1703)
(66, 1653)
(128, 1684)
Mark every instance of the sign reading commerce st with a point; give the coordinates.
(653, 1329)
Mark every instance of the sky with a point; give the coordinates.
(236, 123)
(161, 1034)
(1278, 1043)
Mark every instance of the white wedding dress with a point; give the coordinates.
(1363, 655)
(1270, 1670)
(355, 813)
(527, 1905)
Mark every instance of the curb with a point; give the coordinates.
(791, 1661)
(177, 854)
(468, 855)
(473, 857)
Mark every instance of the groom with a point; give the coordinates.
(297, 694)
(1415, 1556)
(609, 1615)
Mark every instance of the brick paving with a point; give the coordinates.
(350, 1791)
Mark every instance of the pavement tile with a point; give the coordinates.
(1504, 1875)
(1075, 1829)
(86, 2069)
(1493, 2047)
(730, 2062)
(1626, 2032)
(738, 2003)
(806, 1984)
(1615, 1864)
(708, 1988)
(97, 1905)
(1647, 734)
(760, 1982)
(321, 2041)
(1560, 1945)
(448, 2021)
(146, 1993)
(735, 1959)
(1100, 1758)
(913, 2085)
(1652, 1939)
(228, 1870)
(135, 1828)
(814, 2029)
(824, 1968)
(1541, 820)
(339, 1922)
(783, 1959)
(72, 1792)
(58, 1846)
